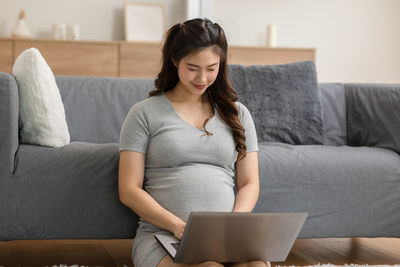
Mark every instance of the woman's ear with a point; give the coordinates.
(174, 62)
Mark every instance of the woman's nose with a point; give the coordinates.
(202, 76)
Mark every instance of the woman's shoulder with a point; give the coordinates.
(146, 108)
(244, 113)
(242, 108)
(240, 105)
(147, 104)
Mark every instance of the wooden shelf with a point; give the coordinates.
(268, 56)
(128, 59)
(80, 58)
(6, 55)
(139, 59)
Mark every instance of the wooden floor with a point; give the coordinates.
(117, 252)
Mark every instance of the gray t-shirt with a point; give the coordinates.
(185, 170)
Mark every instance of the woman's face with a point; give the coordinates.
(198, 71)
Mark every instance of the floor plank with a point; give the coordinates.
(117, 252)
(388, 246)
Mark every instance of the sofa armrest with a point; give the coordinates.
(8, 141)
(9, 110)
(372, 115)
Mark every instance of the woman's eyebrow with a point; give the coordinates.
(197, 66)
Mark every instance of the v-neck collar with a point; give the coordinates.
(171, 106)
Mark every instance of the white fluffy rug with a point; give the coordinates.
(319, 265)
(76, 265)
(346, 265)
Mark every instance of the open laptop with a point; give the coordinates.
(234, 237)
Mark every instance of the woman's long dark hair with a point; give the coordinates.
(190, 37)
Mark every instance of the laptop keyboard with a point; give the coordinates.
(175, 245)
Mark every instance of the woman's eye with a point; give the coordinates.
(211, 69)
(192, 69)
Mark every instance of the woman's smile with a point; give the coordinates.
(200, 86)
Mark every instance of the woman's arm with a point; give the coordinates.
(130, 182)
(247, 182)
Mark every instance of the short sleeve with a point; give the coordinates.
(249, 128)
(135, 131)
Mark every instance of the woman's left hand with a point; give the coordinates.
(178, 229)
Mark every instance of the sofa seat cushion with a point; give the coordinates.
(68, 192)
(354, 189)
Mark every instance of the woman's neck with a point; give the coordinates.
(179, 94)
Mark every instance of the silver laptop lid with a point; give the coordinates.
(238, 237)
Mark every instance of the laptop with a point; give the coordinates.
(234, 237)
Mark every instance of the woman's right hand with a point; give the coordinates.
(178, 228)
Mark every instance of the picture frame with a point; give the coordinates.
(144, 22)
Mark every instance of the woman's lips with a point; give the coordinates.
(199, 86)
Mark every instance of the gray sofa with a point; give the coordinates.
(71, 192)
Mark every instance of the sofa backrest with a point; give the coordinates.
(333, 113)
(95, 107)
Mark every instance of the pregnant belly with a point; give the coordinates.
(191, 188)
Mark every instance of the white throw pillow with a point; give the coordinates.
(41, 111)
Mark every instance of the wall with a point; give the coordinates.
(98, 19)
(355, 40)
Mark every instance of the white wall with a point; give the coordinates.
(98, 19)
(355, 40)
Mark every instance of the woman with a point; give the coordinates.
(186, 142)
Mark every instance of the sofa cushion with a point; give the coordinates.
(41, 110)
(373, 115)
(347, 191)
(95, 107)
(334, 113)
(67, 192)
(284, 101)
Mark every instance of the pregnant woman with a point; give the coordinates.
(185, 147)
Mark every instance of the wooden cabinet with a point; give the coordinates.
(139, 59)
(268, 56)
(128, 59)
(6, 55)
(75, 58)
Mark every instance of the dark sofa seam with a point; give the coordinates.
(11, 170)
(346, 88)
